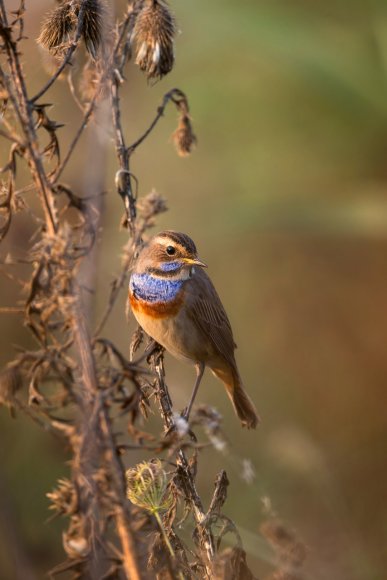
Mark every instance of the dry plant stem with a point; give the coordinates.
(125, 189)
(160, 112)
(182, 462)
(121, 515)
(165, 537)
(66, 346)
(24, 112)
(73, 144)
(94, 415)
(91, 398)
(166, 540)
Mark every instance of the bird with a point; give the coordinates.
(176, 304)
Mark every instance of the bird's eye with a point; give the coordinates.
(171, 250)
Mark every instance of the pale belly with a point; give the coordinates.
(174, 331)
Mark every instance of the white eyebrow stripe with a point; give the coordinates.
(165, 241)
(170, 242)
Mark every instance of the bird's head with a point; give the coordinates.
(168, 254)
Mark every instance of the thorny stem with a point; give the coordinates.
(95, 417)
(24, 112)
(92, 397)
(124, 186)
(182, 461)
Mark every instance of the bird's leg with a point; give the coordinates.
(199, 373)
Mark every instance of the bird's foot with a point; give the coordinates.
(156, 351)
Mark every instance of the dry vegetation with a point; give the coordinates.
(75, 383)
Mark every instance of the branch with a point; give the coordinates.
(157, 362)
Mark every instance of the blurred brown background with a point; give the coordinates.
(285, 197)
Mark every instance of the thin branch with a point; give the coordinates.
(76, 138)
(182, 461)
(24, 113)
(160, 112)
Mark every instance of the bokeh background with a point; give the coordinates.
(285, 197)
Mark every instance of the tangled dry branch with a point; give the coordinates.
(78, 381)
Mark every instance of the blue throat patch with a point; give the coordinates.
(152, 289)
(170, 266)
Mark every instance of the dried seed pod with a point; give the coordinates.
(184, 138)
(57, 28)
(60, 25)
(153, 39)
(147, 486)
(93, 25)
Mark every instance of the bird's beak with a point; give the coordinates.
(194, 262)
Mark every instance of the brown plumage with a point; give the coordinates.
(175, 302)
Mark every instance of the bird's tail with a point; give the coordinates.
(243, 405)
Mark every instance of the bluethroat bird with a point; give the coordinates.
(175, 302)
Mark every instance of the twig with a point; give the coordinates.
(76, 138)
(170, 96)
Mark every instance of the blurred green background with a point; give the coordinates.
(285, 197)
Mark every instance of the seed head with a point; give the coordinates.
(147, 486)
(184, 138)
(93, 25)
(153, 38)
(57, 28)
(60, 25)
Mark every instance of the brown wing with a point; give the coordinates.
(208, 313)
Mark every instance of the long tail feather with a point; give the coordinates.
(243, 405)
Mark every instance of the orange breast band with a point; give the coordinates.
(156, 309)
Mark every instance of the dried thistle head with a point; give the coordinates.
(147, 486)
(57, 28)
(153, 38)
(184, 138)
(95, 11)
(61, 23)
